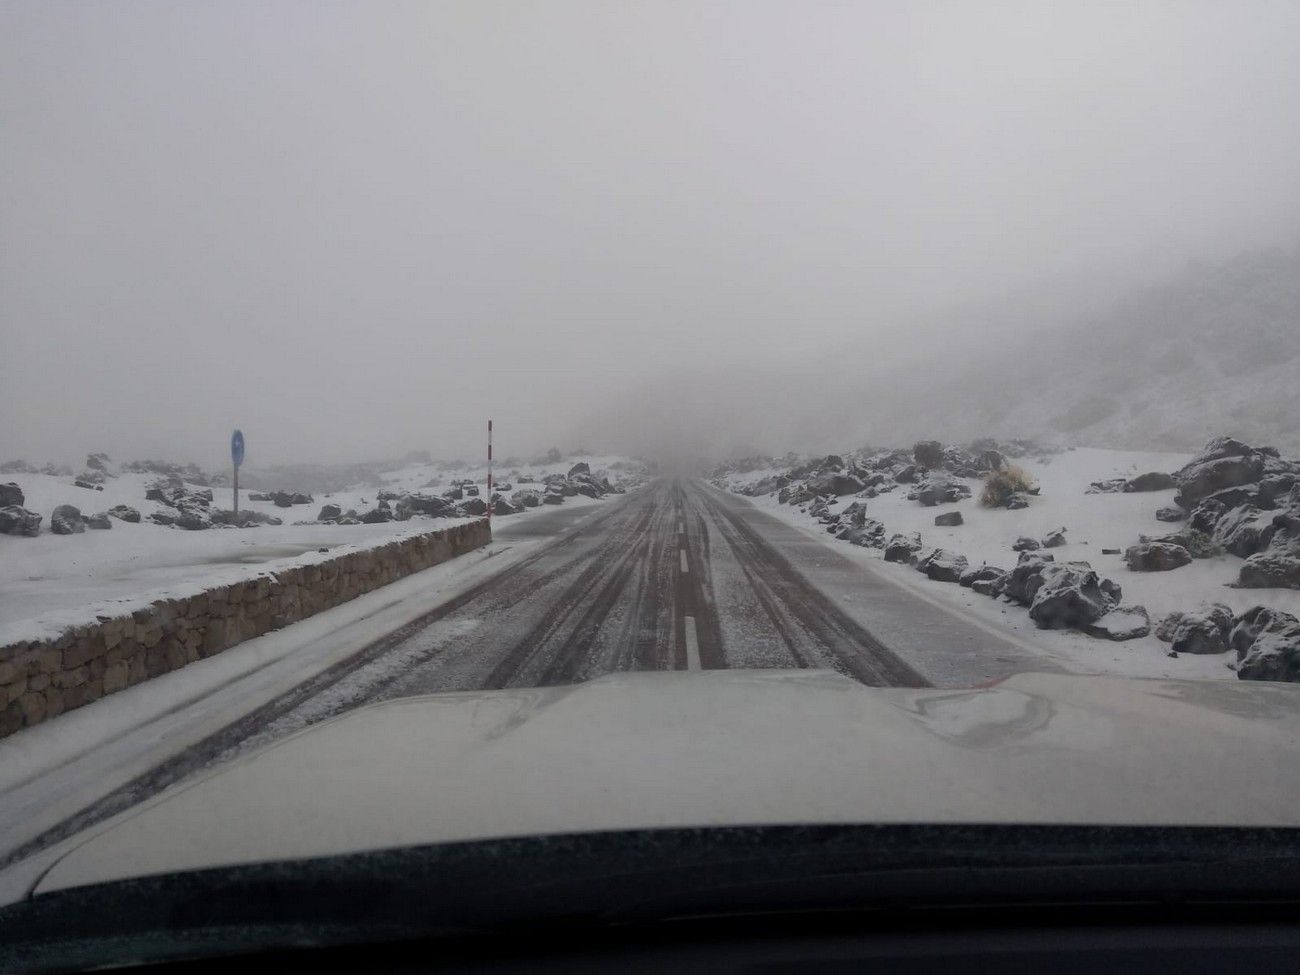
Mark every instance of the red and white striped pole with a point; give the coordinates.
(489, 484)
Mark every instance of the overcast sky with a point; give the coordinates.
(358, 229)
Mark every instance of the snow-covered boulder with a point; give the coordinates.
(902, 548)
(1152, 481)
(1244, 531)
(526, 498)
(1069, 596)
(1156, 557)
(942, 565)
(939, 489)
(329, 512)
(1223, 463)
(98, 521)
(1121, 623)
(983, 573)
(1267, 642)
(11, 494)
(67, 520)
(1170, 513)
(1054, 539)
(1026, 544)
(948, 519)
(124, 512)
(17, 520)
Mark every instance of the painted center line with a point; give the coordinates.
(683, 554)
(692, 644)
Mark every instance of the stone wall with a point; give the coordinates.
(40, 679)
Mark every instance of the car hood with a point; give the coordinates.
(714, 748)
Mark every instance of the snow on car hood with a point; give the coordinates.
(683, 749)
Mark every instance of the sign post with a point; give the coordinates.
(237, 457)
(489, 484)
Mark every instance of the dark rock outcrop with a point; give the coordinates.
(948, 519)
(11, 494)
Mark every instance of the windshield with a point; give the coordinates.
(431, 423)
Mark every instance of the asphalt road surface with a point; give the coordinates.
(675, 576)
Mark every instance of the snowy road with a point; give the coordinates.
(677, 575)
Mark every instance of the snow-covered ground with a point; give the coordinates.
(1092, 522)
(53, 581)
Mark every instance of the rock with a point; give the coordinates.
(1170, 513)
(163, 518)
(870, 534)
(948, 519)
(67, 520)
(836, 484)
(99, 521)
(1195, 634)
(551, 497)
(329, 512)
(928, 454)
(1245, 531)
(1054, 539)
(1166, 627)
(1270, 570)
(426, 505)
(471, 490)
(17, 520)
(287, 499)
(1068, 597)
(1223, 463)
(1156, 557)
(989, 587)
(984, 573)
(193, 518)
(88, 485)
(11, 495)
(1121, 623)
(1024, 580)
(579, 468)
(587, 489)
(1267, 645)
(1025, 544)
(1017, 502)
(475, 507)
(1198, 544)
(502, 507)
(939, 489)
(902, 548)
(124, 512)
(906, 475)
(1153, 481)
(1275, 655)
(942, 565)
(378, 515)
(1112, 485)
(526, 498)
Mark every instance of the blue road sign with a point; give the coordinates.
(237, 447)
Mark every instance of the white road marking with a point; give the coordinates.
(692, 644)
(685, 568)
